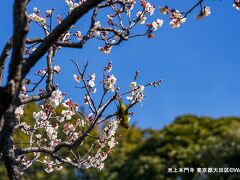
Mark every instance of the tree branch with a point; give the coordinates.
(71, 19)
(3, 58)
(20, 31)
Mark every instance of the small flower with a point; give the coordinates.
(77, 78)
(141, 88)
(56, 69)
(93, 77)
(67, 114)
(91, 83)
(49, 12)
(175, 23)
(97, 24)
(236, 4)
(204, 13)
(142, 17)
(140, 97)
(81, 122)
(78, 34)
(56, 98)
(157, 24)
(19, 112)
(133, 85)
(149, 8)
(35, 9)
(112, 143)
(110, 82)
(38, 136)
(41, 115)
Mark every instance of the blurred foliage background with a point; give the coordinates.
(189, 141)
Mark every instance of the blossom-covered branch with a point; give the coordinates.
(52, 132)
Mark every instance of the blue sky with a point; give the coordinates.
(198, 63)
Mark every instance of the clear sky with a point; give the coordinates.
(198, 63)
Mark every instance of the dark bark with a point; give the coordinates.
(8, 122)
(3, 58)
(20, 31)
(11, 162)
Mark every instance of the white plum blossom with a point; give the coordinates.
(48, 12)
(142, 17)
(93, 77)
(56, 69)
(19, 111)
(35, 9)
(56, 98)
(157, 24)
(38, 136)
(71, 5)
(110, 82)
(97, 24)
(149, 8)
(112, 143)
(40, 116)
(91, 83)
(51, 132)
(140, 88)
(177, 19)
(140, 97)
(36, 18)
(136, 93)
(70, 105)
(204, 13)
(81, 122)
(77, 78)
(236, 4)
(78, 34)
(67, 114)
(133, 85)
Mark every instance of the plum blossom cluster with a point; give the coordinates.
(118, 26)
(35, 16)
(106, 138)
(118, 31)
(178, 18)
(136, 93)
(71, 4)
(58, 124)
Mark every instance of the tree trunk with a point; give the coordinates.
(6, 146)
(11, 163)
(8, 122)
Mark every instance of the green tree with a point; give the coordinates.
(189, 141)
